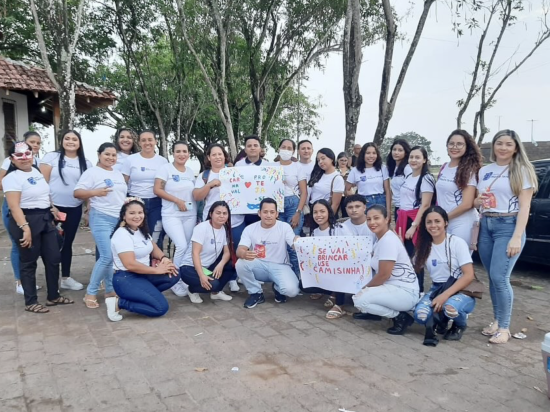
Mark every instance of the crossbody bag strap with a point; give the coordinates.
(496, 178)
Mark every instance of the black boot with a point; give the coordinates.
(441, 323)
(455, 333)
(366, 316)
(430, 338)
(400, 324)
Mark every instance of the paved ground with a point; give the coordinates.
(289, 357)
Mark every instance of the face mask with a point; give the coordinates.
(285, 155)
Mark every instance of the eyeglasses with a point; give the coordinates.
(18, 155)
(460, 145)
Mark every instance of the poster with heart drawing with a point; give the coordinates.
(244, 187)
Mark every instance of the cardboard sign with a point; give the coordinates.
(243, 188)
(335, 263)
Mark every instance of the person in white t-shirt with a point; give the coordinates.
(370, 177)
(417, 193)
(106, 190)
(305, 150)
(505, 190)
(397, 163)
(206, 267)
(62, 170)
(447, 259)
(34, 141)
(356, 208)
(140, 170)
(174, 184)
(32, 223)
(137, 283)
(326, 182)
(263, 256)
(456, 185)
(125, 143)
(393, 290)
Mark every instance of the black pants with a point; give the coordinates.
(409, 246)
(190, 277)
(44, 244)
(70, 227)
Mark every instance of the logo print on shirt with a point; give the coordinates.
(63, 163)
(363, 178)
(487, 176)
(212, 241)
(176, 178)
(143, 168)
(434, 262)
(109, 183)
(31, 180)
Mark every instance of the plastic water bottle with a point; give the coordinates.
(546, 359)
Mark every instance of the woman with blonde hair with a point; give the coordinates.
(505, 190)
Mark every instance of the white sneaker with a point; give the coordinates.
(220, 296)
(112, 314)
(194, 297)
(19, 288)
(70, 283)
(234, 286)
(180, 289)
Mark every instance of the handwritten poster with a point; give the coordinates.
(336, 263)
(243, 188)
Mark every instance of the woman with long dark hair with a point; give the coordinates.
(137, 283)
(417, 193)
(32, 222)
(397, 163)
(505, 190)
(62, 170)
(206, 266)
(326, 182)
(106, 190)
(34, 141)
(447, 259)
(371, 177)
(125, 144)
(456, 185)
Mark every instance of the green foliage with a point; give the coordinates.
(414, 139)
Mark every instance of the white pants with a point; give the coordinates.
(179, 229)
(386, 300)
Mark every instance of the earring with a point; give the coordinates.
(122, 224)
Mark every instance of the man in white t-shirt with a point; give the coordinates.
(263, 257)
(356, 207)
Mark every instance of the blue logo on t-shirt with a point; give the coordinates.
(212, 241)
(487, 176)
(363, 178)
(142, 168)
(434, 262)
(63, 163)
(31, 180)
(109, 183)
(176, 178)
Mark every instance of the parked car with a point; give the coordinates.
(537, 247)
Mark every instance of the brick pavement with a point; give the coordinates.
(290, 358)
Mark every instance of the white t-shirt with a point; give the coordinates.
(274, 239)
(408, 190)
(396, 183)
(142, 173)
(449, 196)
(7, 162)
(339, 230)
(506, 201)
(359, 230)
(63, 194)
(321, 189)
(120, 159)
(99, 178)
(180, 185)
(243, 162)
(437, 264)
(214, 196)
(35, 191)
(123, 241)
(389, 247)
(293, 174)
(212, 241)
(307, 168)
(370, 182)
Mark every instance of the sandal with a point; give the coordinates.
(36, 308)
(491, 329)
(502, 336)
(61, 300)
(316, 296)
(329, 303)
(90, 303)
(335, 313)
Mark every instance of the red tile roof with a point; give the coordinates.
(16, 75)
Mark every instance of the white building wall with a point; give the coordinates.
(21, 113)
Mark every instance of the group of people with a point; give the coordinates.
(135, 197)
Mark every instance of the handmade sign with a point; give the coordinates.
(336, 263)
(243, 188)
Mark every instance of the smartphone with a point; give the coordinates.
(189, 205)
(61, 216)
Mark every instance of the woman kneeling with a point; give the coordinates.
(139, 285)
(448, 261)
(393, 290)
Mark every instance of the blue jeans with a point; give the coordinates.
(143, 293)
(14, 256)
(378, 199)
(252, 272)
(494, 235)
(291, 205)
(457, 308)
(153, 210)
(102, 226)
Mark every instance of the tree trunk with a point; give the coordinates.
(352, 57)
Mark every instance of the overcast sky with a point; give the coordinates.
(437, 78)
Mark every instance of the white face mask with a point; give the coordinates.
(285, 154)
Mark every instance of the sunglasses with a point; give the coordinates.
(20, 155)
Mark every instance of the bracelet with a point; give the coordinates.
(163, 256)
(23, 225)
